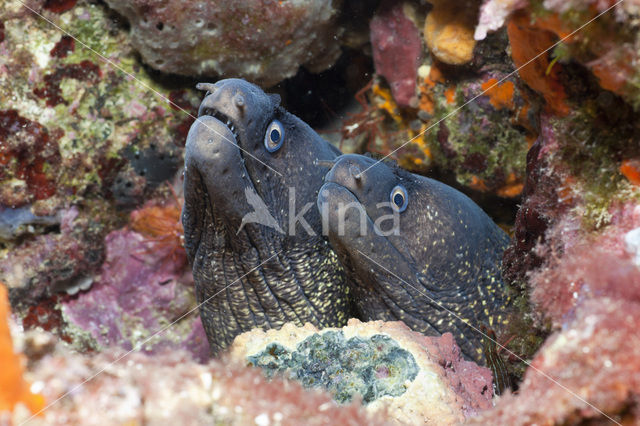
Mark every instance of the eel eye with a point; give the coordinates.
(399, 198)
(274, 136)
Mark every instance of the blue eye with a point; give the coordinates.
(399, 198)
(274, 136)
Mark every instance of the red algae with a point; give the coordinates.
(51, 91)
(590, 267)
(59, 6)
(47, 315)
(13, 388)
(592, 365)
(25, 148)
(63, 47)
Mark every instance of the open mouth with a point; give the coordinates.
(222, 118)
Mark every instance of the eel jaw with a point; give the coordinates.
(223, 118)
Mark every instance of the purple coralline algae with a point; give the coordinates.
(139, 291)
(259, 40)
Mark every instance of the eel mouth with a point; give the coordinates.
(223, 118)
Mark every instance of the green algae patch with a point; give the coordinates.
(372, 367)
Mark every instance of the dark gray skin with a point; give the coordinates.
(447, 254)
(300, 280)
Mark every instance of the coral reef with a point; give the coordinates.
(466, 114)
(573, 252)
(159, 389)
(55, 261)
(234, 39)
(81, 144)
(588, 368)
(446, 389)
(90, 244)
(64, 136)
(608, 46)
(481, 142)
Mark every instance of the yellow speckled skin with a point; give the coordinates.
(440, 273)
(257, 277)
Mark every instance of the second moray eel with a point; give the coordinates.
(439, 272)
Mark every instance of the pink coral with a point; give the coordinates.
(396, 51)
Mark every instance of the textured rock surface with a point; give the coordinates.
(54, 262)
(159, 389)
(445, 390)
(73, 128)
(595, 364)
(571, 246)
(444, 120)
(82, 143)
(261, 41)
(608, 46)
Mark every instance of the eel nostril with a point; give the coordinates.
(355, 171)
(209, 87)
(239, 101)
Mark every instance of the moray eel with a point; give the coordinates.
(250, 175)
(440, 268)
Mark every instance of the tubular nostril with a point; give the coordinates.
(209, 87)
(355, 171)
(239, 101)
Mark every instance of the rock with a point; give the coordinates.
(396, 50)
(81, 144)
(608, 46)
(493, 14)
(44, 265)
(588, 371)
(591, 266)
(264, 42)
(154, 390)
(415, 378)
(63, 133)
(484, 144)
(448, 31)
